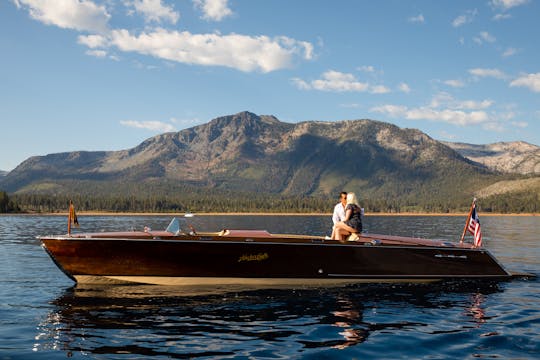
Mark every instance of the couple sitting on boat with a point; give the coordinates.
(347, 218)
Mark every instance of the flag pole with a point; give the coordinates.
(467, 222)
(69, 216)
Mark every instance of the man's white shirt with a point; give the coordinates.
(339, 213)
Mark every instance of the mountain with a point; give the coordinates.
(260, 154)
(3, 173)
(508, 157)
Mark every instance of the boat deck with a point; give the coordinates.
(265, 236)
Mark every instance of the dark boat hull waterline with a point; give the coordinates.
(258, 258)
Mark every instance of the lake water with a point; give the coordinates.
(44, 316)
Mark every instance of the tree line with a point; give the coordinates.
(202, 200)
(7, 205)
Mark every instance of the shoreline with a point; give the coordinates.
(107, 213)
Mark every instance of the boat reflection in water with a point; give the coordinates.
(155, 321)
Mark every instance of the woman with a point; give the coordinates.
(352, 222)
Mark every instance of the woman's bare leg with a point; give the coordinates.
(342, 230)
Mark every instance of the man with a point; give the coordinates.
(339, 209)
(339, 212)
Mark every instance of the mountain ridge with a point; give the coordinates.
(248, 152)
(517, 157)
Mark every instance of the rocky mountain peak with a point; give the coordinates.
(509, 157)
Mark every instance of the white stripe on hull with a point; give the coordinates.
(258, 282)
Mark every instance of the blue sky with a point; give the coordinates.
(105, 75)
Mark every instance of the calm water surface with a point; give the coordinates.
(43, 315)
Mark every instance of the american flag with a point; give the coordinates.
(474, 227)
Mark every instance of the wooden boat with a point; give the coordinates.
(259, 258)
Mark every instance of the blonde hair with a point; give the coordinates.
(351, 198)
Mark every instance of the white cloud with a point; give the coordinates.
(445, 100)
(483, 37)
(379, 89)
(242, 52)
(154, 11)
(531, 81)
(455, 83)
(83, 15)
(97, 53)
(456, 117)
(499, 17)
(416, 19)
(157, 126)
(301, 84)
(442, 108)
(466, 18)
(333, 81)
(509, 52)
(481, 72)
(371, 70)
(92, 41)
(404, 88)
(473, 105)
(507, 4)
(366, 68)
(214, 10)
(338, 81)
(390, 110)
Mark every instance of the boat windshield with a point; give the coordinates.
(174, 226)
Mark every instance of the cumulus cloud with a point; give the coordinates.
(474, 105)
(482, 72)
(465, 18)
(484, 37)
(92, 41)
(82, 15)
(455, 83)
(333, 81)
(391, 110)
(379, 89)
(154, 11)
(531, 81)
(214, 10)
(242, 52)
(444, 99)
(455, 117)
(507, 4)
(156, 126)
(509, 52)
(336, 81)
(366, 68)
(443, 108)
(404, 88)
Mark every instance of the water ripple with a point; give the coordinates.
(43, 316)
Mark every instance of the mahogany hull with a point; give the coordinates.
(209, 259)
